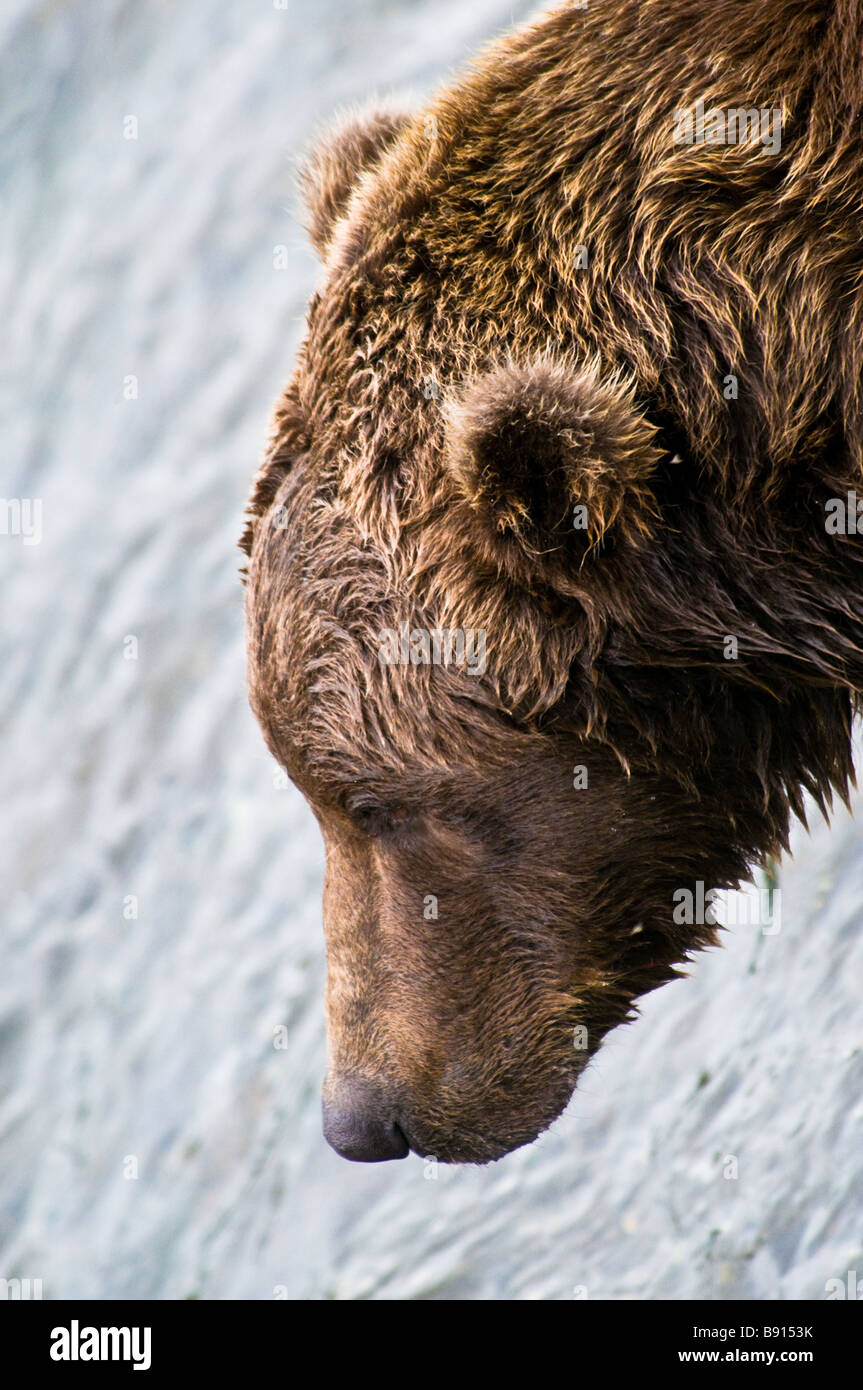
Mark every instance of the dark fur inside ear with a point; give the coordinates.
(553, 458)
(341, 155)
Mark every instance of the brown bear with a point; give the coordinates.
(554, 583)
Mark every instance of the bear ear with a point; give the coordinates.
(349, 147)
(553, 459)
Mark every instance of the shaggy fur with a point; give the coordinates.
(466, 381)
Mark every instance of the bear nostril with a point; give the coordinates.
(359, 1125)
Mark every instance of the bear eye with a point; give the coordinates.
(375, 820)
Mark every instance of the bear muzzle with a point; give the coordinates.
(359, 1123)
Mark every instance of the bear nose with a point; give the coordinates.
(359, 1124)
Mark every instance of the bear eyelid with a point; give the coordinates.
(375, 820)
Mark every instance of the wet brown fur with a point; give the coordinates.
(464, 382)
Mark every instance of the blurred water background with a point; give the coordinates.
(161, 888)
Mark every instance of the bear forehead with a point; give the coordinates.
(343, 684)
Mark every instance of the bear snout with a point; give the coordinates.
(359, 1122)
